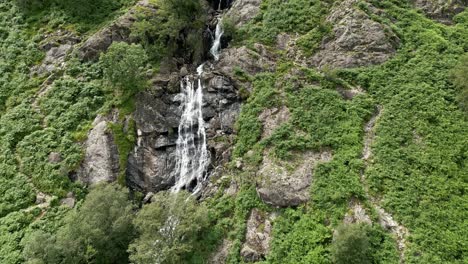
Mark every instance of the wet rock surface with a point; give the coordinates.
(356, 41)
(287, 183)
(152, 164)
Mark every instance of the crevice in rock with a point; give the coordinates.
(386, 220)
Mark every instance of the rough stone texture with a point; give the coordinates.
(441, 10)
(286, 183)
(273, 118)
(54, 59)
(152, 164)
(258, 236)
(221, 254)
(242, 11)
(101, 162)
(118, 31)
(249, 61)
(54, 157)
(356, 40)
(356, 214)
(400, 232)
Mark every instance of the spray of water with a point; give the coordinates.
(216, 48)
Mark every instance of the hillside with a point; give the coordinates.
(233, 131)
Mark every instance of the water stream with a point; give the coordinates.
(192, 156)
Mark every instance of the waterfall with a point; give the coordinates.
(192, 156)
(216, 48)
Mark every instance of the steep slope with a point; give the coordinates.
(325, 121)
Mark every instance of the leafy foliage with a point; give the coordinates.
(176, 30)
(460, 79)
(123, 67)
(351, 245)
(99, 231)
(168, 228)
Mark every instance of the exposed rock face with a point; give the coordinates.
(258, 236)
(54, 59)
(57, 46)
(221, 253)
(357, 39)
(272, 119)
(441, 10)
(101, 162)
(242, 11)
(152, 165)
(249, 61)
(286, 183)
(356, 214)
(118, 31)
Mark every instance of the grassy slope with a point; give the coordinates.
(25, 142)
(420, 154)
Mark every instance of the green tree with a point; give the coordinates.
(169, 228)
(97, 232)
(351, 245)
(177, 27)
(89, 9)
(124, 67)
(31, 5)
(460, 79)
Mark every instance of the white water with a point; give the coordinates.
(216, 48)
(192, 156)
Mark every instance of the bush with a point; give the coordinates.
(123, 67)
(168, 228)
(351, 245)
(178, 26)
(460, 79)
(97, 232)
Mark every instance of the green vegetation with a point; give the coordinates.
(351, 245)
(99, 231)
(123, 66)
(460, 79)
(176, 30)
(304, 17)
(169, 229)
(417, 171)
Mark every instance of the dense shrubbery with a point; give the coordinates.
(99, 231)
(460, 79)
(123, 66)
(351, 245)
(176, 30)
(169, 229)
(305, 17)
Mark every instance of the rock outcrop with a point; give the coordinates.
(441, 10)
(258, 236)
(248, 60)
(272, 118)
(356, 41)
(118, 31)
(356, 214)
(242, 11)
(221, 254)
(57, 46)
(287, 183)
(101, 161)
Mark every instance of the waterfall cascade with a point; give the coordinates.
(193, 158)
